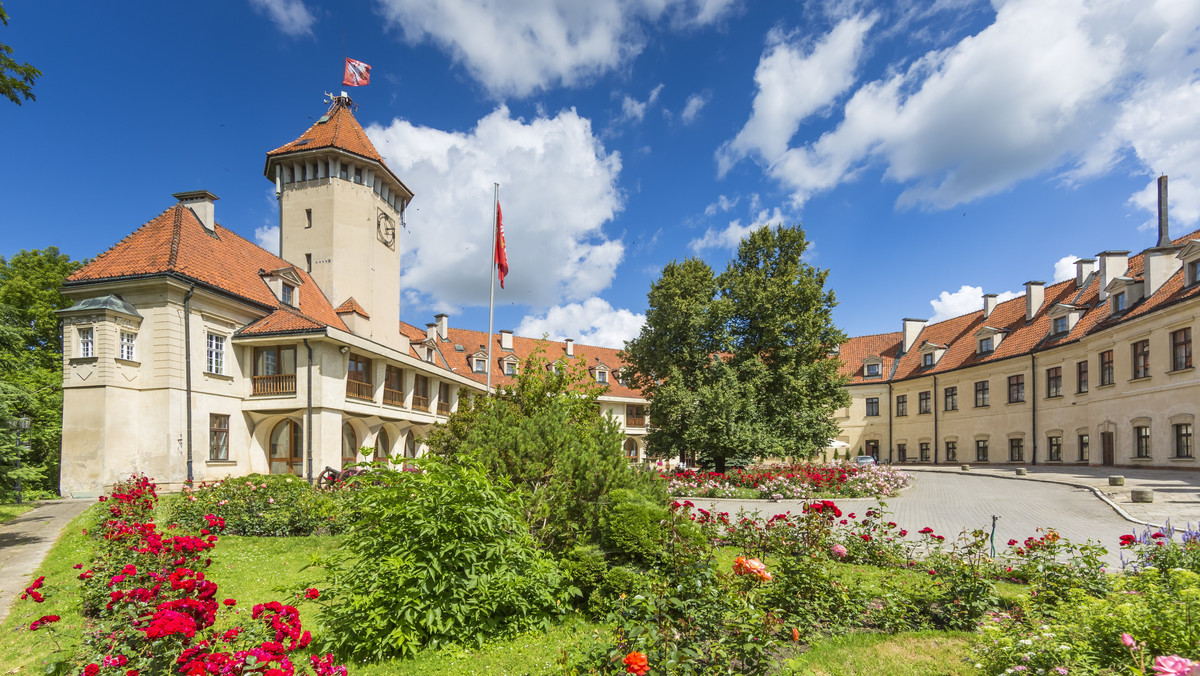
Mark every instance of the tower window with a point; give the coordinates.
(308, 262)
(86, 342)
(308, 218)
(358, 175)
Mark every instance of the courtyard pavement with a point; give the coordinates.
(25, 541)
(951, 501)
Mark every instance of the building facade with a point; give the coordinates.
(192, 353)
(1094, 370)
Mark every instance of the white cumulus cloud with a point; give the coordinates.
(691, 109)
(732, 234)
(517, 48)
(592, 322)
(290, 16)
(557, 190)
(966, 299)
(267, 237)
(1064, 268)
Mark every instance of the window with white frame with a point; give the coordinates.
(479, 365)
(214, 357)
(602, 376)
(87, 346)
(985, 345)
(510, 368)
(871, 369)
(1060, 326)
(128, 343)
(1118, 303)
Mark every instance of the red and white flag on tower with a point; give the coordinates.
(357, 73)
(501, 248)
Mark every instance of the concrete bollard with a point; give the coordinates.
(1021, 471)
(1141, 495)
(966, 468)
(1116, 480)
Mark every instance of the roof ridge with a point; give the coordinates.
(119, 242)
(176, 229)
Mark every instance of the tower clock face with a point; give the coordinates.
(386, 229)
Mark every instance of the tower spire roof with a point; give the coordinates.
(337, 128)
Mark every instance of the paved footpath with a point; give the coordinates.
(950, 502)
(25, 541)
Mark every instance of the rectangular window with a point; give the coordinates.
(359, 369)
(902, 451)
(951, 395)
(1054, 448)
(288, 292)
(274, 360)
(872, 369)
(479, 365)
(1118, 303)
(602, 376)
(1141, 440)
(982, 396)
(443, 403)
(901, 404)
(214, 355)
(1016, 389)
(927, 359)
(510, 368)
(1016, 450)
(308, 218)
(872, 406)
(985, 345)
(1183, 440)
(1084, 450)
(421, 393)
(924, 448)
(1081, 377)
(924, 403)
(981, 450)
(218, 437)
(1193, 272)
(393, 385)
(128, 341)
(1107, 377)
(1054, 382)
(86, 344)
(635, 415)
(1181, 349)
(1141, 359)
(951, 451)
(1060, 326)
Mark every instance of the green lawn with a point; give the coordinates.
(11, 511)
(923, 653)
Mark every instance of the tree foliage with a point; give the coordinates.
(740, 365)
(31, 363)
(544, 434)
(16, 79)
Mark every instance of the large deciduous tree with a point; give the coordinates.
(31, 362)
(16, 79)
(740, 365)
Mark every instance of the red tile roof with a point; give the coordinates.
(1018, 337)
(176, 242)
(350, 305)
(338, 130)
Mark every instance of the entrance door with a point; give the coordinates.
(286, 448)
(1107, 444)
(873, 449)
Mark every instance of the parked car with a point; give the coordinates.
(865, 460)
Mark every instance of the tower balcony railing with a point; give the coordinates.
(357, 390)
(281, 383)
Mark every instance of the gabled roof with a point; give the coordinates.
(351, 306)
(176, 242)
(335, 129)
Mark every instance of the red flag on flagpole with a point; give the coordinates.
(357, 73)
(501, 248)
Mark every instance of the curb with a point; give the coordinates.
(1095, 491)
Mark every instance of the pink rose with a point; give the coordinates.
(1174, 665)
(1128, 640)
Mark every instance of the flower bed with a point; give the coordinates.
(791, 482)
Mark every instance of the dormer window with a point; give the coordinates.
(602, 376)
(927, 359)
(1059, 326)
(1193, 272)
(289, 292)
(1118, 303)
(872, 369)
(510, 367)
(872, 366)
(479, 365)
(985, 345)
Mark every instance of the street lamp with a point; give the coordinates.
(20, 425)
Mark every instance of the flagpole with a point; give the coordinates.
(492, 301)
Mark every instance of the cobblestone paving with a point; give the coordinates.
(950, 503)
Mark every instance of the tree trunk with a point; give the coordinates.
(720, 464)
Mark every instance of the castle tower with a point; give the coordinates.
(340, 209)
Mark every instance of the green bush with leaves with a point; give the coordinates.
(438, 556)
(264, 505)
(544, 435)
(632, 527)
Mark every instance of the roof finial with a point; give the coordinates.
(341, 101)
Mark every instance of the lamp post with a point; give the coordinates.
(20, 425)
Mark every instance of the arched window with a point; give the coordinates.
(286, 449)
(349, 445)
(410, 445)
(631, 449)
(383, 446)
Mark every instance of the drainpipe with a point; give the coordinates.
(308, 432)
(1033, 403)
(936, 439)
(889, 402)
(187, 367)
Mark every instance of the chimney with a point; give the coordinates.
(1083, 268)
(506, 339)
(431, 331)
(201, 204)
(912, 329)
(1160, 264)
(1035, 295)
(989, 304)
(1113, 264)
(570, 346)
(1164, 236)
(443, 325)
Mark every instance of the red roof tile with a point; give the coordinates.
(351, 305)
(176, 242)
(338, 130)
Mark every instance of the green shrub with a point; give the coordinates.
(438, 556)
(584, 568)
(616, 583)
(264, 505)
(813, 598)
(632, 527)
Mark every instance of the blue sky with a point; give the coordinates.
(933, 151)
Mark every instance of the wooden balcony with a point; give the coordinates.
(420, 403)
(283, 383)
(393, 397)
(635, 421)
(443, 407)
(357, 390)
